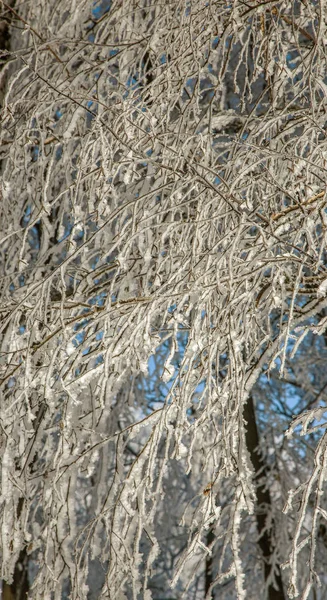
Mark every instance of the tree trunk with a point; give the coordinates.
(5, 20)
(18, 589)
(208, 567)
(265, 540)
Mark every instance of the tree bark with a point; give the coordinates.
(5, 20)
(18, 589)
(208, 567)
(265, 540)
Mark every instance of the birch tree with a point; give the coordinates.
(163, 224)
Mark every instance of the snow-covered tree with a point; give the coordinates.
(163, 297)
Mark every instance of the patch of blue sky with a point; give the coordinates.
(200, 388)
(59, 153)
(98, 300)
(163, 59)
(151, 366)
(290, 397)
(215, 42)
(68, 226)
(100, 8)
(153, 385)
(27, 215)
(85, 312)
(290, 60)
(191, 82)
(34, 237)
(182, 339)
(78, 341)
(199, 392)
(35, 153)
(79, 338)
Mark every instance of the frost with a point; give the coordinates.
(168, 373)
(162, 262)
(322, 289)
(283, 228)
(182, 451)
(70, 348)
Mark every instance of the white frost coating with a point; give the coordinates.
(182, 451)
(71, 129)
(161, 257)
(70, 348)
(168, 373)
(283, 228)
(322, 289)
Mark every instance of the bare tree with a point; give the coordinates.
(163, 195)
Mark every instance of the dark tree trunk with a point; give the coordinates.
(5, 20)
(208, 568)
(265, 540)
(18, 589)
